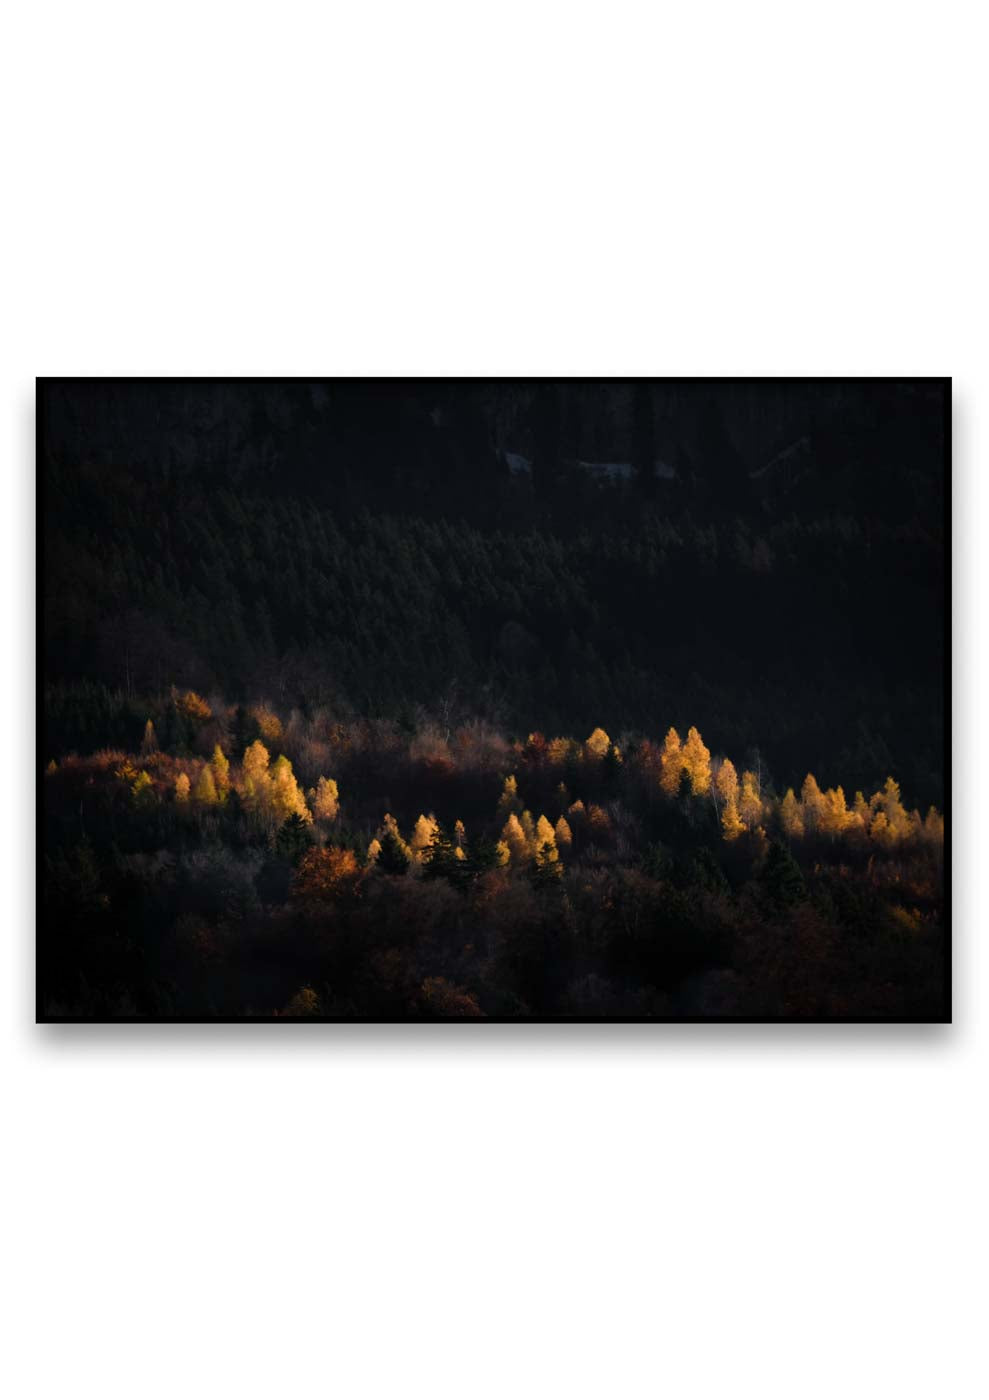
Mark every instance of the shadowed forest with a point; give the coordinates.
(507, 700)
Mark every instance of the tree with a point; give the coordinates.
(330, 874)
(597, 744)
(697, 761)
(726, 782)
(286, 795)
(149, 744)
(325, 800)
(205, 789)
(256, 779)
(393, 856)
(440, 859)
(792, 816)
(182, 788)
(143, 789)
(812, 803)
(671, 763)
(221, 773)
(781, 876)
(834, 813)
(562, 833)
(514, 838)
(509, 799)
(423, 836)
(292, 840)
(750, 801)
(731, 823)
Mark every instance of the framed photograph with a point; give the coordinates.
(514, 700)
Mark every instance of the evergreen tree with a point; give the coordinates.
(392, 857)
(292, 841)
(782, 877)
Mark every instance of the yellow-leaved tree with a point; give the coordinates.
(423, 836)
(812, 803)
(792, 816)
(221, 773)
(731, 823)
(597, 744)
(514, 839)
(509, 800)
(182, 788)
(256, 778)
(286, 795)
(563, 834)
(325, 800)
(205, 789)
(697, 761)
(726, 783)
(671, 763)
(750, 801)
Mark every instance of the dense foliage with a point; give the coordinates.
(453, 874)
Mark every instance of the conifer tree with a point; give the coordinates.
(221, 773)
(750, 801)
(782, 876)
(563, 834)
(205, 789)
(256, 779)
(597, 744)
(812, 803)
(149, 744)
(393, 856)
(792, 816)
(515, 840)
(286, 795)
(731, 823)
(697, 762)
(726, 782)
(509, 799)
(671, 763)
(292, 841)
(182, 788)
(423, 835)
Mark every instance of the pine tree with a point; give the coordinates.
(292, 841)
(393, 854)
(782, 876)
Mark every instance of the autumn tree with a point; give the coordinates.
(597, 744)
(696, 758)
(563, 834)
(286, 795)
(256, 779)
(750, 801)
(791, 815)
(514, 838)
(726, 783)
(671, 763)
(221, 773)
(205, 789)
(330, 874)
(509, 800)
(325, 799)
(731, 823)
(182, 788)
(423, 835)
(149, 744)
(812, 803)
